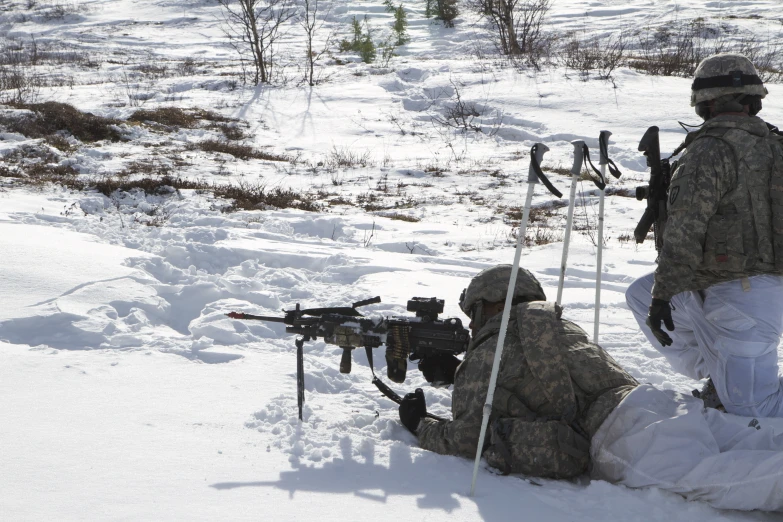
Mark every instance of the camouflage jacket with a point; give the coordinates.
(720, 224)
(554, 390)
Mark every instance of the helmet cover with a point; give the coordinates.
(722, 74)
(491, 285)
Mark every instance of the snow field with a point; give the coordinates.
(127, 393)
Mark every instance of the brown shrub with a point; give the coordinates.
(243, 152)
(169, 116)
(161, 185)
(232, 132)
(402, 217)
(255, 197)
(176, 117)
(51, 117)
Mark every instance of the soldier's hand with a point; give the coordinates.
(412, 409)
(660, 312)
(439, 369)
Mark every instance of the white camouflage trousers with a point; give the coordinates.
(729, 332)
(669, 440)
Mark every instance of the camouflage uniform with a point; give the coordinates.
(718, 272)
(720, 225)
(554, 390)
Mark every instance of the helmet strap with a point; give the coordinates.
(477, 314)
(703, 110)
(754, 104)
(728, 103)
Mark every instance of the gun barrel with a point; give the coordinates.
(240, 315)
(372, 300)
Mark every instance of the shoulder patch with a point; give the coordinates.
(673, 193)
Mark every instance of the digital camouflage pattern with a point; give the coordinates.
(554, 390)
(722, 65)
(721, 214)
(491, 285)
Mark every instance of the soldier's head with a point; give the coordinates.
(485, 296)
(726, 83)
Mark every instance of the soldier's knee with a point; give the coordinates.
(639, 294)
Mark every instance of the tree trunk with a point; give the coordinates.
(512, 43)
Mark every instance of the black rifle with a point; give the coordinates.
(405, 338)
(656, 192)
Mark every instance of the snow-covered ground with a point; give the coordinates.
(125, 392)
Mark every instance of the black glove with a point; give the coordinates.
(660, 311)
(439, 369)
(412, 409)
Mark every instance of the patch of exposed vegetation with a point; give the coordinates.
(176, 117)
(247, 196)
(562, 171)
(513, 215)
(49, 118)
(402, 217)
(157, 185)
(243, 152)
(232, 132)
(346, 157)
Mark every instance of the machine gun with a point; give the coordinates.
(405, 338)
(656, 192)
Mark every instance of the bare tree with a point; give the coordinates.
(253, 28)
(518, 22)
(310, 22)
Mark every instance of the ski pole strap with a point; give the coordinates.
(541, 177)
(385, 390)
(600, 182)
(604, 149)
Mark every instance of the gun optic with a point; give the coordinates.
(427, 308)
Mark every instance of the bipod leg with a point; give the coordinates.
(300, 388)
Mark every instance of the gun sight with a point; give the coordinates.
(427, 308)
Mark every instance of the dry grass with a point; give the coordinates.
(402, 217)
(255, 197)
(158, 185)
(49, 118)
(176, 117)
(513, 215)
(243, 152)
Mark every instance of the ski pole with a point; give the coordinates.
(603, 161)
(536, 154)
(575, 172)
(534, 174)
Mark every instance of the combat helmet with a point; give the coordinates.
(723, 77)
(491, 285)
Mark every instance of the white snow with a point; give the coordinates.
(127, 394)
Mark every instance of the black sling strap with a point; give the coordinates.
(385, 390)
